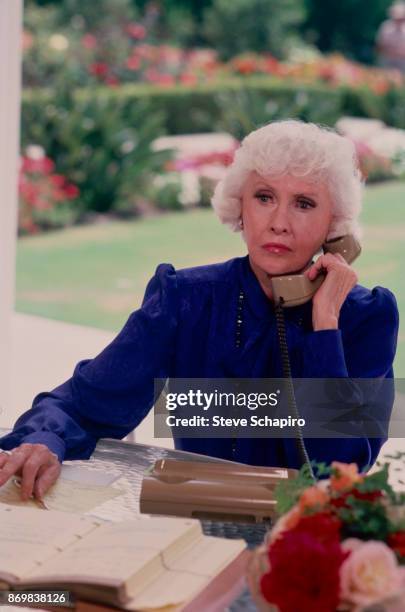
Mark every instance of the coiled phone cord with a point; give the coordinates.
(282, 338)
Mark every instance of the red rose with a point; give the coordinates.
(304, 572)
(133, 62)
(71, 191)
(136, 30)
(42, 165)
(341, 501)
(323, 526)
(397, 542)
(99, 69)
(57, 180)
(112, 81)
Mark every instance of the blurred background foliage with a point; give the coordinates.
(349, 26)
(253, 25)
(103, 80)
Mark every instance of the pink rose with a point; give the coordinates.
(370, 574)
(313, 496)
(344, 476)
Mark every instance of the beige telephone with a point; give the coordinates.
(295, 289)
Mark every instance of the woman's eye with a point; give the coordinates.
(263, 197)
(305, 204)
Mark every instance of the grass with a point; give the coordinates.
(96, 275)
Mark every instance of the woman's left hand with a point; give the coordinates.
(327, 301)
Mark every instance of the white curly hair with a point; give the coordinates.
(304, 150)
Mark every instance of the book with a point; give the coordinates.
(147, 563)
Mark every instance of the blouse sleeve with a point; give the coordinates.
(366, 351)
(108, 396)
(368, 348)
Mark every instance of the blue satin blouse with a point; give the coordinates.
(186, 328)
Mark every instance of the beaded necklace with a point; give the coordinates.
(239, 320)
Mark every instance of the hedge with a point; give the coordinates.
(199, 108)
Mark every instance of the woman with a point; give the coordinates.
(291, 187)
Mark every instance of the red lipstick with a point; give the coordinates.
(276, 247)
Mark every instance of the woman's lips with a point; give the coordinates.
(276, 247)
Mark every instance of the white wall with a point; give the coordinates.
(10, 77)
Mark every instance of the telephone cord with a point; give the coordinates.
(282, 337)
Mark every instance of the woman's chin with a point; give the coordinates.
(279, 268)
(276, 264)
(280, 272)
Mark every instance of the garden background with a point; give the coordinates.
(106, 190)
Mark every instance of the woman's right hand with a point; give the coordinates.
(35, 464)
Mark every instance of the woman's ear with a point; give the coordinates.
(240, 223)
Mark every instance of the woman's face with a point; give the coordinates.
(285, 219)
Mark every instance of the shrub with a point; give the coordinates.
(252, 25)
(188, 109)
(348, 26)
(102, 143)
(166, 192)
(244, 110)
(46, 199)
(394, 108)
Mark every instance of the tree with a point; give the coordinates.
(349, 26)
(252, 25)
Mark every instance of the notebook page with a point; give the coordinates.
(29, 536)
(117, 551)
(181, 579)
(65, 495)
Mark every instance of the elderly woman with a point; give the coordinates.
(291, 187)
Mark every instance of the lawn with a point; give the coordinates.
(96, 275)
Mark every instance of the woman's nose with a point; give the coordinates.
(279, 221)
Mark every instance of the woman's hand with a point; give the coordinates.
(327, 301)
(37, 466)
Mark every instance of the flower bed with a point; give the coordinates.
(46, 199)
(96, 57)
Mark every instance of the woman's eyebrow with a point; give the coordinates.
(306, 194)
(264, 186)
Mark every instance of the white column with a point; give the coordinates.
(10, 94)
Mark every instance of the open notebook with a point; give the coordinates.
(142, 564)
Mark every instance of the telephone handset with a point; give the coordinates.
(296, 289)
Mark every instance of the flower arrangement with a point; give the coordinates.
(338, 546)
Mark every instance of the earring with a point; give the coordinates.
(240, 223)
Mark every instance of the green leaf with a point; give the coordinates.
(288, 492)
